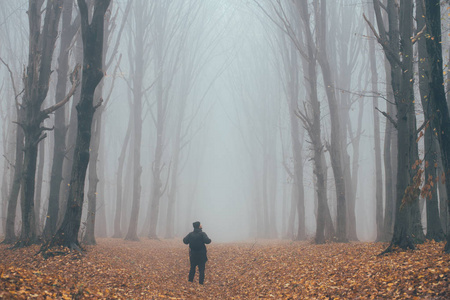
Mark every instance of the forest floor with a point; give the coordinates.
(152, 269)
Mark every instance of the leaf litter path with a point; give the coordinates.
(153, 269)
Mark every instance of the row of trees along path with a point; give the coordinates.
(310, 46)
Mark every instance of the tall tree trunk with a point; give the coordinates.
(434, 228)
(92, 35)
(38, 194)
(264, 185)
(41, 47)
(89, 236)
(272, 184)
(389, 160)
(71, 136)
(376, 129)
(292, 212)
(441, 118)
(68, 31)
(137, 169)
(443, 203)
(404, 98)
(311, 122)
(118, 233)
(157, 163)
(101, 224)
(298, 193)
(138, 65)
(336, 148)
(172, 194)
(10, 235)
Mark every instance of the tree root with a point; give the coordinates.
(9, 241)
(393, 246)
(63, 248)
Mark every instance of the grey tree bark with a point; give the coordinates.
(10, 235)
(311, 121)
(118, 231)
(92, 35)
(68, 31)
(142, 12)
(41, 46)
(291, 66)
(402, 84)
(441, 118)
(38, 193)
(379, 217)
(434, 228)
(389, 161)
(335, 147)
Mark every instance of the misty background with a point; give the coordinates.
(224, 123)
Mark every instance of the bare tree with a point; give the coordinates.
(96, 181)
(68, 31)
(41, 46)
(434, 228)
(92, 35)
(10, 235)
(379, 218)
(441, 117)
(166, 61)
(399, 53)
(143, 12)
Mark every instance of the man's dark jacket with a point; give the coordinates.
(197, 240)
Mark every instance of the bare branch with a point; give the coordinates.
(11, 75)
(75, 78)
(424, 124)
(167, 180)
(388, 117)
(100, 101)
(383, 42)
(113, 81)
(417, 36)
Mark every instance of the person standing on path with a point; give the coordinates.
(197, 251)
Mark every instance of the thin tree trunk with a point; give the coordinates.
(172, 194)
(38, 194)
(138, 65)
(443, 203)
(336, 149)
(101, 224)
(10, 235)
(118, 233)
(296, 147)
(292, 212)
(312, 123)
(376, 128)
(389, 160)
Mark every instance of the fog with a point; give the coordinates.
(216, 81)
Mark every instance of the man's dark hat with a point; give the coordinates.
(196, 224)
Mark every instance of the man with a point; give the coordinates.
(197, 251)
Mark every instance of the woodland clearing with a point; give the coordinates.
(158, 269)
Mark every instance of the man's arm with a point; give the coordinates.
(186, 239)
(206, 239)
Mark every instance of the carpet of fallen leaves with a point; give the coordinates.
(152, 269)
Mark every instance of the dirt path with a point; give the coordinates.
(280, 270)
